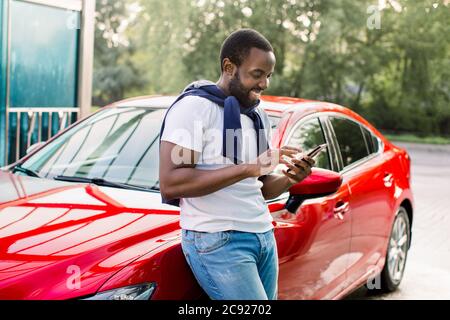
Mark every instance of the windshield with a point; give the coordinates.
(119, 145)
(116, 144)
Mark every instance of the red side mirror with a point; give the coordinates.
(320, 182)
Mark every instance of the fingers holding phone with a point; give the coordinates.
(268, 160)
(300, 166)
(309, 160)
(298, 169)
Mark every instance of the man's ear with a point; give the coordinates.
(228, 67)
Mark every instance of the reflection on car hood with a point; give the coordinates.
(56, 235)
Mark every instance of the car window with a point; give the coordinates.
(349, 135)
(118, 144)
(274, 121)
(308, 135)
(373, 145)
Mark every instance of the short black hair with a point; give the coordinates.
(238, 44)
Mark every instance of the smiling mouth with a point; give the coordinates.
(256, 93)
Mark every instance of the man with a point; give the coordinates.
(222, 181)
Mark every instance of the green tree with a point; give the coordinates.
(115, 72)
(397, 76)
(282, 22)
(161, 35)
(411, 89)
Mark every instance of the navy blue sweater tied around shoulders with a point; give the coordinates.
(231, 121)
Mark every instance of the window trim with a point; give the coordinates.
(318, 116)
(285, 195)
(333, 142)
(362, 160)
(365, 139)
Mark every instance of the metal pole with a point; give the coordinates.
(18, 129)
(40, 127)
(8, 61)
(86, 58)
(31, 125)
(50, 124)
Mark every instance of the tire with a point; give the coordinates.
(397, 252)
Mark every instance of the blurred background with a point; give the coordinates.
(60, 60)
(389, 60)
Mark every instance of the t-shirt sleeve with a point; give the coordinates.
(185, 123)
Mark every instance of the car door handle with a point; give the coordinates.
(388, 179)
(340, 210)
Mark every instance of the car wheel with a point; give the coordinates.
(397, 252)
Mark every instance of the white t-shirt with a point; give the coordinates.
(196, 123)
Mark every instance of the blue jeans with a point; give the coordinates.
(233, 265)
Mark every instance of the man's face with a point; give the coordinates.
(252, 77)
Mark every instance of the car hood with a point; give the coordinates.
(61, 239)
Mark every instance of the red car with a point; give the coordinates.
(81, 215)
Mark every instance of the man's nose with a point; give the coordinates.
(264, 84)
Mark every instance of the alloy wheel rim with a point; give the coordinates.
(398, 247)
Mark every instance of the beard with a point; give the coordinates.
(237, 89)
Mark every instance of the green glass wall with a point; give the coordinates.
(3, 62)
(43, 67)
(44, 50)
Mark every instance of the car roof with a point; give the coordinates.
(273, 105)
(268, 103)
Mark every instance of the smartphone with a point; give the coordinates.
(314, 152)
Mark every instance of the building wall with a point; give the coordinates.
(46, 59)
(3, 63)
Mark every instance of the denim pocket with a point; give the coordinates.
(187, 236)
(206, 242)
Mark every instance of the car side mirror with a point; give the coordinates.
(319, 183)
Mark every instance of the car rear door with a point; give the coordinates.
(313, 243)
(366, 168)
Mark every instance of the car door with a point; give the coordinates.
(366, 168)
(314, 242)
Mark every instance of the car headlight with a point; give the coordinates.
(137, 292)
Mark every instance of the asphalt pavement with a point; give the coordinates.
(427, 273)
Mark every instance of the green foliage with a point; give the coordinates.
(115, 71)
(416, 139)
(397, 76)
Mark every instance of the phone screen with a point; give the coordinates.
(315, 151)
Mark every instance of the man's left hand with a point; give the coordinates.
(300, 169)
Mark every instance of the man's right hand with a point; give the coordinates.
(267, 161)
(178, 177)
